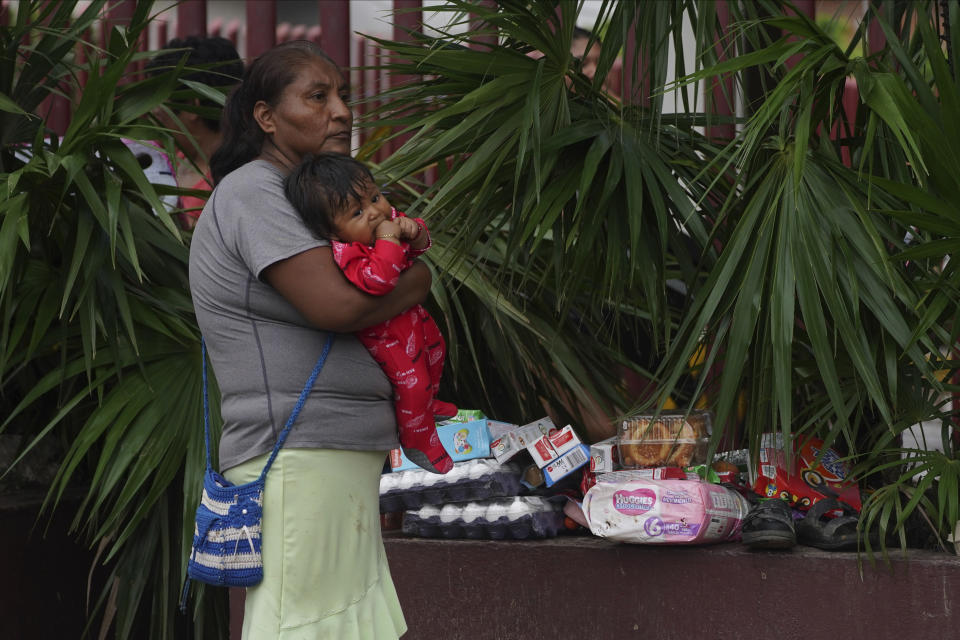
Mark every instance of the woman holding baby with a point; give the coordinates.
(267, 292)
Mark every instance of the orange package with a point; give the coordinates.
(809, 481)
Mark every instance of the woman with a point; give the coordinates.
(266, 293)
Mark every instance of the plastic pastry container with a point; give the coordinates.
(672, 439)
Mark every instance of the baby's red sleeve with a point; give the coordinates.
(374, 269)
(419, 252)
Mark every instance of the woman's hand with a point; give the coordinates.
(313, 283)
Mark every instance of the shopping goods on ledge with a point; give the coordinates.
(517, 518)
(647, 484)
(485, 495)
(627, 506)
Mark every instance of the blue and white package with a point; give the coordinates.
(566, 464)
(462, 441)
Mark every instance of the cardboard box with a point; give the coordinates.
(807, 480)
(566, 464)
(533, 431)
(553, 445)
(464, 415)
(498, 429)
(564, 440)
(506, 446)
(542, 451)
(603, 456)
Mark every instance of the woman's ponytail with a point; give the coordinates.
(242, 136)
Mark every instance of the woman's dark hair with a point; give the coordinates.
(265, 79)
(322, 185)
(218, 61)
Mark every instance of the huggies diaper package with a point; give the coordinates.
(670, 511)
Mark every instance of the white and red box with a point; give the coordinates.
(552, 445)
(604, 456)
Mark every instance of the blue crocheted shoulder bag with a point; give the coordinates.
(227, 530)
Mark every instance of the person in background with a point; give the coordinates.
(267, 293)
(196, 137)
(588, 57)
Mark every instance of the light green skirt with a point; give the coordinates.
(325, 573)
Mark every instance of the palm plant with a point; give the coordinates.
(564, 213)
(98, 344)
(842, 341)
(555, 242)
(575, 235)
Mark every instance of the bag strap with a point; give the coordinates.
(293, 414)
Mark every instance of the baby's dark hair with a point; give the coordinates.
(322, 185)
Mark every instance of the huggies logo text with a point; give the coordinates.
(634, 503)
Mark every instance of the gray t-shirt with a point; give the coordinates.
(261, 348)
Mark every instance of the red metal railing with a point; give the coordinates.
(261, 32)
(332, 32)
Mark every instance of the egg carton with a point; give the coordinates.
(517, 518)
(478, 479)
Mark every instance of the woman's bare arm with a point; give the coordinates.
(313, 283)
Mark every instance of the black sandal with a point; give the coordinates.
(769, 525)
(819, 530)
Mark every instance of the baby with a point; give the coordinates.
(372, 242)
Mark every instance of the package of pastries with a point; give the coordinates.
(673, 439)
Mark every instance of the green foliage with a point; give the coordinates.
(98, 344)
(548, 214)
(848, 323)
(804, 294)
(576, 235)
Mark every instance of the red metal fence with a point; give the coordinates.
(331, 30)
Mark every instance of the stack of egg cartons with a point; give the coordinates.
(478, 499)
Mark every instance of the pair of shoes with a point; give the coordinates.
(769, 525)
(822, 529)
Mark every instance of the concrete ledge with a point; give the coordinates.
(587, 587)
(43, 570)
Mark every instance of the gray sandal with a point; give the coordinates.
(821, 530)
(769, 525)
